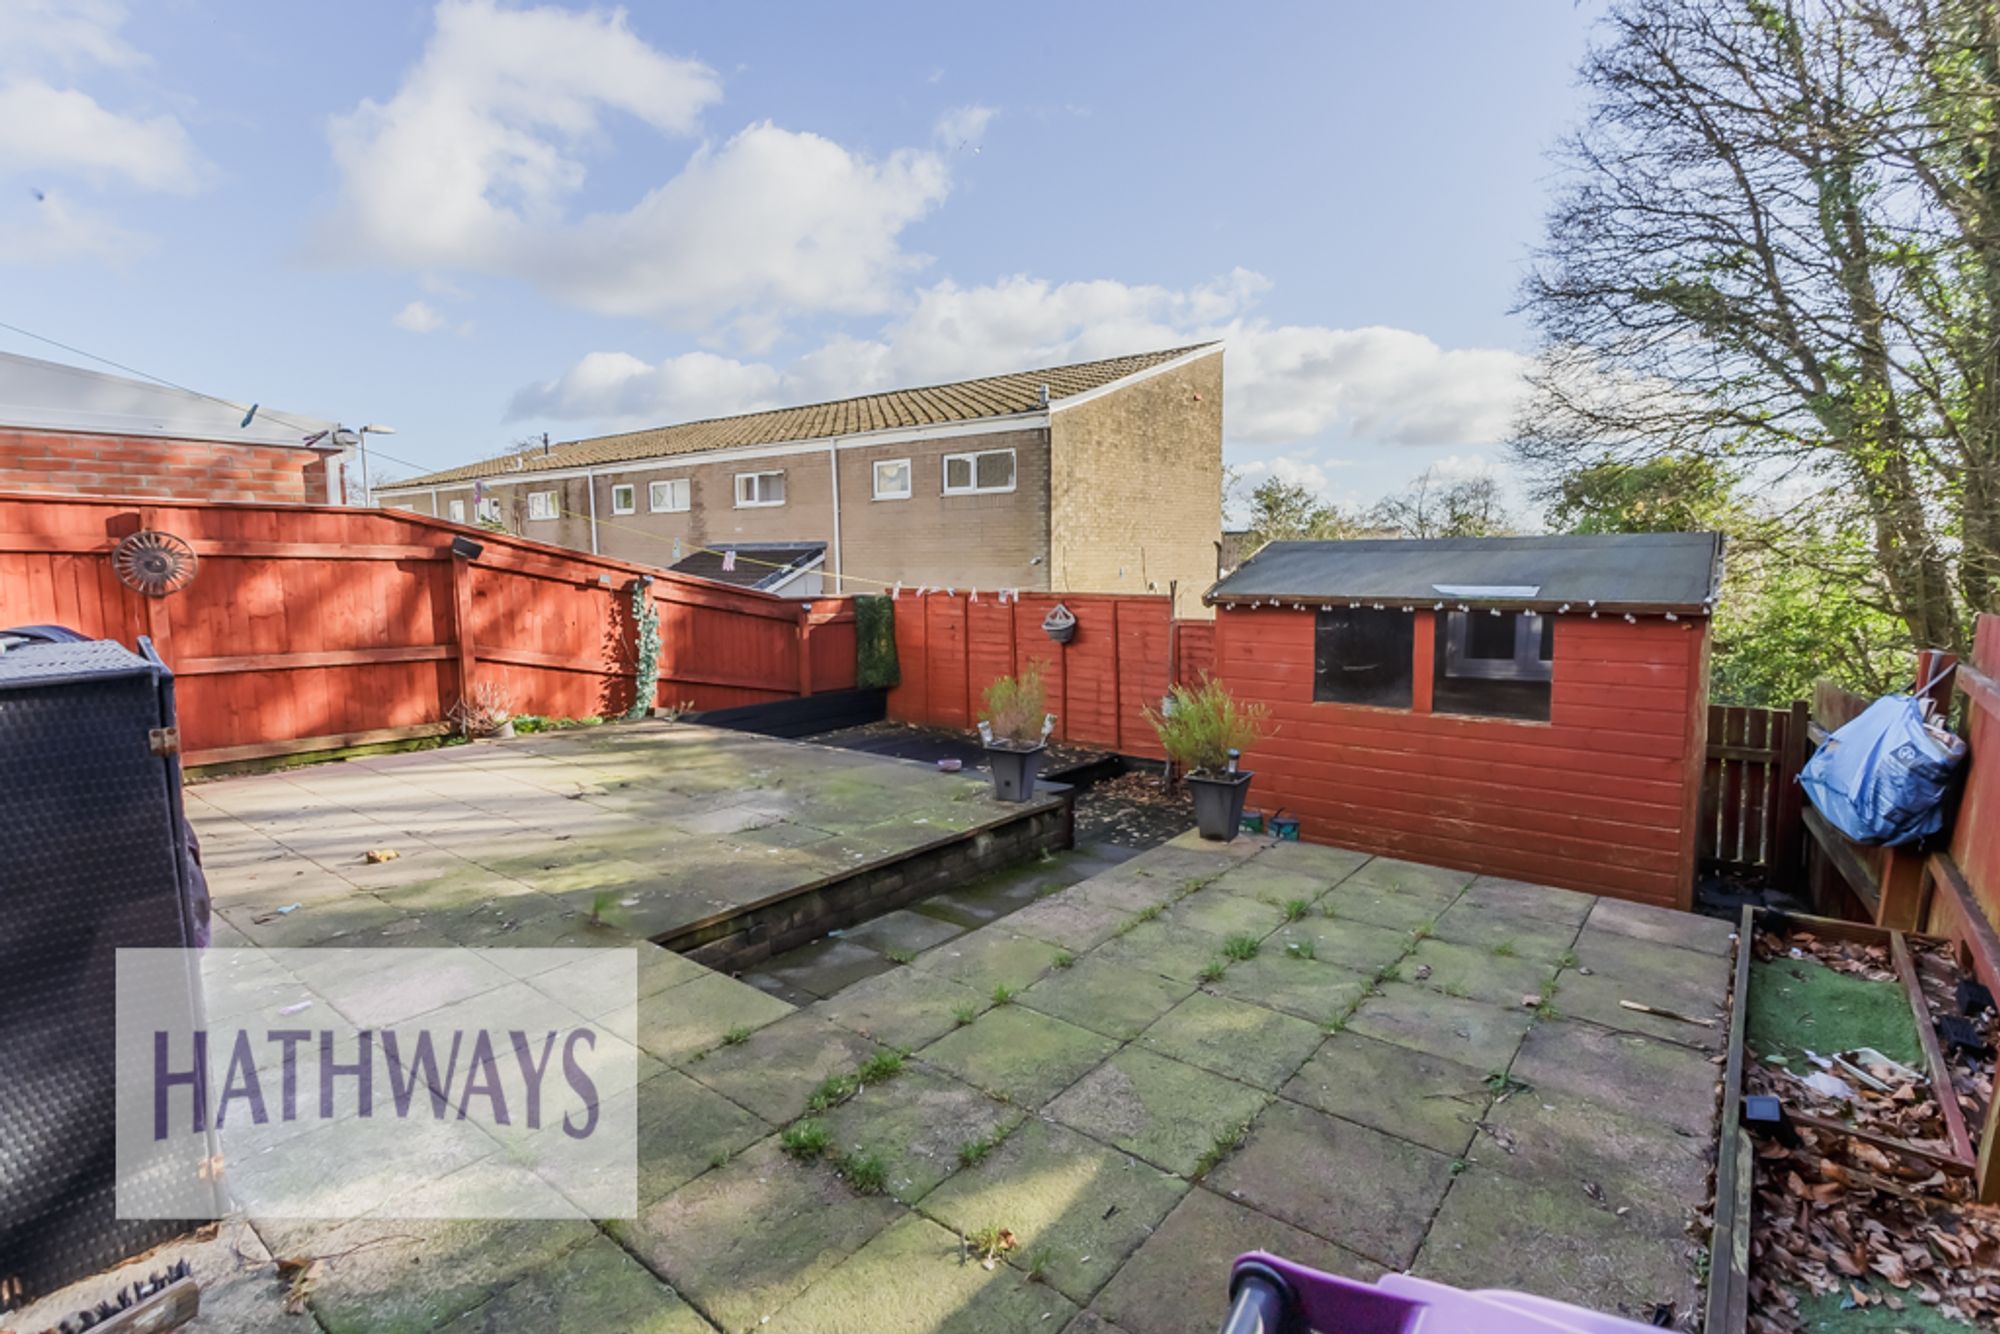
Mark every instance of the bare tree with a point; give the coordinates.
(1431, 506)
(1774, 248)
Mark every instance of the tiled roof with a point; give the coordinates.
(933, 405)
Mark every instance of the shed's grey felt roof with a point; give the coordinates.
(1657, 571)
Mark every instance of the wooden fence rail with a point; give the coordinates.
(312, 628)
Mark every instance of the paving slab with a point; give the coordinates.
(1663, 926)
(902, 930)
(1562, 1141)
(1505, 930)
(1105, 997)
(1018, 1054)
(1472, 973)
(914, 1278)
(1562, 907)
(1264, 881)
(915, 1124)
(774, 1071)
(743, 1241)
(682, 1022)
(1348, 942)
(1422, 1098)
(1178, 1281)
(906, 1008)
(1308, 988)
(1639, 1076)
(1469, 1032)
(1223, 915)
(826, 966)
(1325, 864)
(1494, 1231)
(988, 958)
(596, 1288)
(400, 1275)
(685, 1129)
(1168, 949)
(1069, 921)
(1249, 1043)
(1078, 1207)
(1167, 1112)
(1614, 968)
(1369, 1192)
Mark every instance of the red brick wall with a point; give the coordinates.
(125, 465)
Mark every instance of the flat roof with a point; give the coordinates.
(1618, 571)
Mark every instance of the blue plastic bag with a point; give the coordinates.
(1881, 779)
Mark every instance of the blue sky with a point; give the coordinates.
(477, 221)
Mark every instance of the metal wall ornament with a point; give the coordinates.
(154, 563)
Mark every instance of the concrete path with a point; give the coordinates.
(1358, 1063)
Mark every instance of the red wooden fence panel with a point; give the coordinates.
(1750, 811)
(309, 627)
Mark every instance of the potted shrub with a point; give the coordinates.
(1015, 728)
(1203, 730)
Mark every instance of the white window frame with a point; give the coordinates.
(456, 509)
(487, 510)
(909, 479)
(972, 464)
(543, 506)
(631, 504)
(653, 495)
(756, 478)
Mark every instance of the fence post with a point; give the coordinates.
(805, 651)
(461, 628)
(1787, 853)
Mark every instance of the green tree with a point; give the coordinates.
(1281, 511)
(1672, 494)
(1431, 507)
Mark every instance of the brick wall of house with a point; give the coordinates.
(983, 541)
(1136, 486)
(127, 465)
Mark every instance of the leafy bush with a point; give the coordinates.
(1016, 705)
(875, 662)
(1205, 723)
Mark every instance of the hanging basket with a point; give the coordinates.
(1060, 624)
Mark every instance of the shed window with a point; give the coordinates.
(1495, 666)
(759, 488)
(542, 505)
(669, 497)
(624, 498)
(1363, 656)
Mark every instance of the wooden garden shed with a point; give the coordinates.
(1528, 707)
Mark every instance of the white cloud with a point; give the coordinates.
(50, 229)
(1332, 389)
(418, 317)
(48, 129)
(964, 127)
(621, 391)
(51, 131)
(474, 162)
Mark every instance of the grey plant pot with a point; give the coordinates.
(1014, 771)
(1218, 803)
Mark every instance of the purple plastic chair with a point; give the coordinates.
(1273, 1296)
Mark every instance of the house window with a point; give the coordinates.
(669, 497)
(1362, 656)
(977, 474)
(542, 505)
(759, 488)
(624, 498)
(892, 479)
(488, 509)
(457, 510)
(1494, 666)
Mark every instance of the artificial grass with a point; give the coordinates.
(1822, 1314)
(1796, 1004)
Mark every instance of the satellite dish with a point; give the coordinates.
(154, 563)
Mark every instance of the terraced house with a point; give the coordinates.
(1105, 476)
